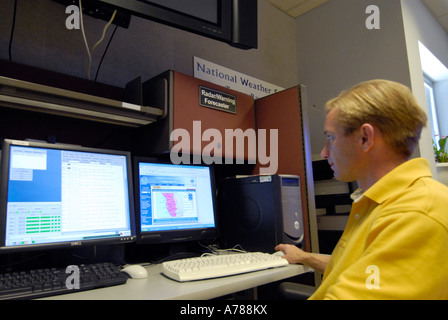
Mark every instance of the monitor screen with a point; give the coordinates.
(174, 202)
(58, 195)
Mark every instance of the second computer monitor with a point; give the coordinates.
(174, 203)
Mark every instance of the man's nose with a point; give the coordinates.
(324, 152)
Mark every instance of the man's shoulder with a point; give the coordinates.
(426, 197)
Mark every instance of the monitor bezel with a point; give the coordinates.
(7, 143)
(178, 235)
(222, 30)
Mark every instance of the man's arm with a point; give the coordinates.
(295, 255)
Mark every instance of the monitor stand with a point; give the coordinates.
(181, 251)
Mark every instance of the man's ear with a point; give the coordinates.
(367, 135)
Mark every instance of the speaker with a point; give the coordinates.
(259, 212)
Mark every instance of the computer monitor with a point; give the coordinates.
(232, 21)
(174, 203)
(55, 196)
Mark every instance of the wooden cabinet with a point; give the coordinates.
(201, 127)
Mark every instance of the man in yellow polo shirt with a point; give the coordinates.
(395, 244)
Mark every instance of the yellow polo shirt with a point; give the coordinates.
(395, 244)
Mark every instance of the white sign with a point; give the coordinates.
(231, 79)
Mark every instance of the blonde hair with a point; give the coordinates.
(387, 105)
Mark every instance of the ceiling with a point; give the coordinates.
(295, 8)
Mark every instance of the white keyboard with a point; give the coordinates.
(216, 266)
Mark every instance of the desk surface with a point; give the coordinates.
(158, 287)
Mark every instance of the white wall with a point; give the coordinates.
(419, 25)
(336, 51)
(441, 88)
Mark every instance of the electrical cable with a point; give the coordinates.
(85, 39)
(215, 251)
(90, 52)
(105, 51)
(101, 39)
(104, 32)
(12, 30)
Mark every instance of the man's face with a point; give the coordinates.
(342, 152)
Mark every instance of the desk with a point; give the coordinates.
(158, 287)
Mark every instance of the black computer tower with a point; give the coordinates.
(259, 212)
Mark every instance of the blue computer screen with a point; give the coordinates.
(35, 175)
(174, 197)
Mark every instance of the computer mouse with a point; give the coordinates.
(135, 271)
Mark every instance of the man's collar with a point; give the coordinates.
(398, 179)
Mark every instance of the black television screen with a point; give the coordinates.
(54, 196)
(174, 203)
(231, 21)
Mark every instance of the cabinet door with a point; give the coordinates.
(284, 114)
(190, 115)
